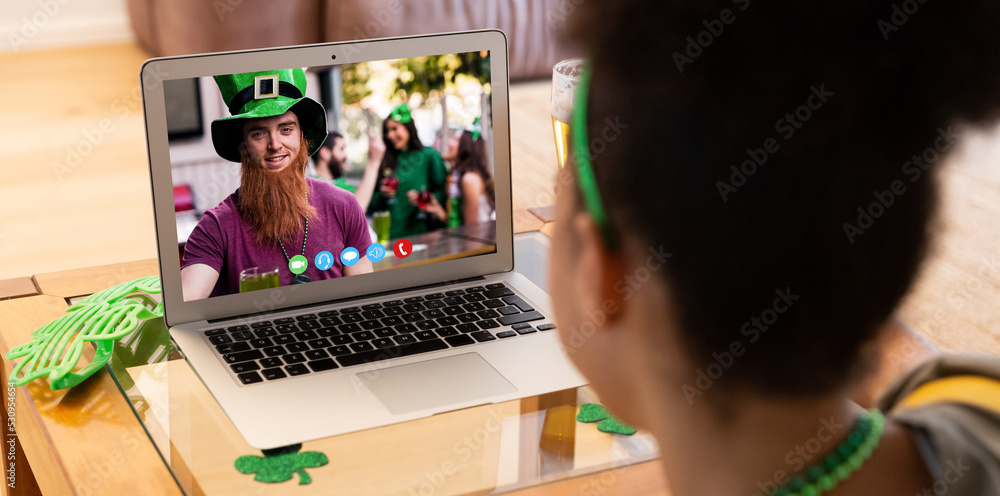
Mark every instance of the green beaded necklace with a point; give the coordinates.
(840, 464)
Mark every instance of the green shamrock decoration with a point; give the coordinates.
(100, 318)
(278, 465)
(592, 412)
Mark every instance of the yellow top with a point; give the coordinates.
(972, 390)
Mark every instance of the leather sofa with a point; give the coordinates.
(176, 27)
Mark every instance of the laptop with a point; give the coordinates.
(358, 333)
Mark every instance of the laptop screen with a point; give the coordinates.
(297, 175)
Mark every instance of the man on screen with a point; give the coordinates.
(277, 218)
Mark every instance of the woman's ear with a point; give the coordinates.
(600, 271)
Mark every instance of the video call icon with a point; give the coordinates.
(349, 256)
(324, 260)
(298, 264)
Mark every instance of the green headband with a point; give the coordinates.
(401, 114)
(584, 168)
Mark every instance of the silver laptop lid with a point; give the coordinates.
(191, 180)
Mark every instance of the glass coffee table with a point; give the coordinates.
(490, 449)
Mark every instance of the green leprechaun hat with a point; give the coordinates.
(253, 95)
(401, 114)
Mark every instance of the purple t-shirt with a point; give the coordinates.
(224, 242)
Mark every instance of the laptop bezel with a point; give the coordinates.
(154, 71)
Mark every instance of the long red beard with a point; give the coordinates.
(274, 203)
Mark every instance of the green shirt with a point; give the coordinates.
(340, 182)
(418, 170)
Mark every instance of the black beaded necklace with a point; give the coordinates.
(299, 278)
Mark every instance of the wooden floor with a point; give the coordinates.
(74, 188)
(955, 303)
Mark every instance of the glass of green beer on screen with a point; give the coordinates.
(565, 76)
(256, 278)
(382, 221)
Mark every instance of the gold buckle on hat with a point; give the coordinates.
(257, 94)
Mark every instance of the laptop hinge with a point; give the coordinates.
(352, 298)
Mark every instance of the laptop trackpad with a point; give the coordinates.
(435, 383)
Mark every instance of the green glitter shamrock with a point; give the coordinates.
(100, 318)
(279, 464)
(592, 412)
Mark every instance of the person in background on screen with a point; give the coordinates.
(329, 161)
(708, 272)
(471, 196)
(277, 213)
(407, 168)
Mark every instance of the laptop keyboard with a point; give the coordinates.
(314, 342)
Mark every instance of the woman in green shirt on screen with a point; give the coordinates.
(406, 170)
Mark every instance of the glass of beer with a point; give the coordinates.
(256, 278)
(565, 76)
(381, 222)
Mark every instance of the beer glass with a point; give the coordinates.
(256, 278)
(382, 221)
(565, 76)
